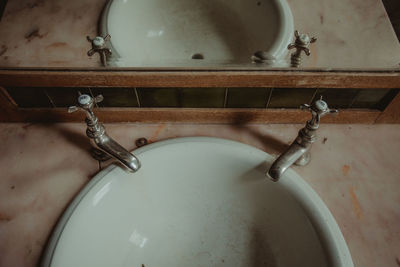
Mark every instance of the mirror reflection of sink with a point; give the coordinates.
(197, 202)
(187, 33)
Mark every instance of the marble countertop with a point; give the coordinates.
(354, 168)
(44, 33)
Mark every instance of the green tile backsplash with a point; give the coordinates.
(247, 97)
(36, 97)
(116, 97)
(337, 97)
(159, 97)
(374, 99)
(203, 97)
(29, 97)
(369, 98)
(290, 97)
(64, 96)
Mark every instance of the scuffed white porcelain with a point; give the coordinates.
(169, 33)
(197, 202)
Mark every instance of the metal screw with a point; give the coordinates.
(141, 142)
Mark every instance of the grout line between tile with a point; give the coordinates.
(354, 99)
(313, 96)
(137, 97)
(226, 97)
(269, 97)
(91, 94)
(49, 98)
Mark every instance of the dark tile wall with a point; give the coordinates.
(248, 97)
(63, 96)
(116, 97)
(29, 97)
(373, 99)
(205, 97)
(3, 4)
(290, 98)
(159, 97)
(337, 98)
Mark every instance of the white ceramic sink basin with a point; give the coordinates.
(169, 33)
(197, 202)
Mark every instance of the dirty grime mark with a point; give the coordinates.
(345, 169)
(28, 125)
(57, 45)
(3, 49)
(37, 3)
(356, 205)
(321, 18)
(324, 140)
(4, 217)
(34, 33)
(398, 261)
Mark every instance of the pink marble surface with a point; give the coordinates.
(48, 33)
(354, 168)
(52, 33)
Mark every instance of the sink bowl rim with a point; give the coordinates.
(325, 225)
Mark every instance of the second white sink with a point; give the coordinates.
(187, 33)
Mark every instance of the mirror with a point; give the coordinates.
(199, 34)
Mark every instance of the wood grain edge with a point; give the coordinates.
(287, 79)
(185, 115)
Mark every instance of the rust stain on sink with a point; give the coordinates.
(345, 169)
(356, 205)
(156, 133)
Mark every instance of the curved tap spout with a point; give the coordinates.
(285, 160)
(115, 150)
(98, 136)
(299, 151)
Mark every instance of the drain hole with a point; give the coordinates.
(198, 56)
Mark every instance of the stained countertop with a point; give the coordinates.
(45, 33)
(354, 168)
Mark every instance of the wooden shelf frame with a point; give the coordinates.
(162, 78)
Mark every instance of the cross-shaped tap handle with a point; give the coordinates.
(85, 102)
(99, 45)
(302, 42)
(318, 109)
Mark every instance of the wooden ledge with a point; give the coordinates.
(289, 79)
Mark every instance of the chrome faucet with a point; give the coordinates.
(102, 143)
(299, 151)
